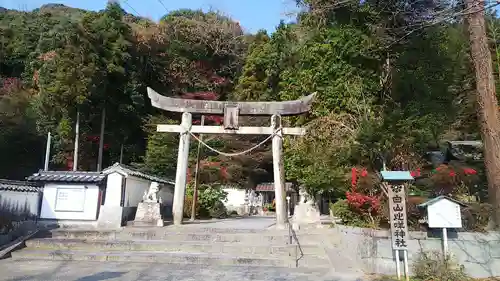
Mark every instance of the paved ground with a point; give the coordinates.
(95, 271)
(234, 223)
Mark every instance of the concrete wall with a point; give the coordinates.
(167, 197)
(113, 189)
(84, 207)
(371, 250)
(20, 203)
(111, 213)
(134, 191)
(235, 200)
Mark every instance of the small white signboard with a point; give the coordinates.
(444, 213)
(70, 200)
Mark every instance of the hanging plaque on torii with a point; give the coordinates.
(231, 112)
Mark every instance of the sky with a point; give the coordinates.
(252, 14)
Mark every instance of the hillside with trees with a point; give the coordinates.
(394, 81)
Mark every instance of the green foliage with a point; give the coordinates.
(218, 210)
(342, 210)
(432, 266)
(476, 216)
(210, 197)
(381, 93)
(19, 142)
(188, 206)
(161, 150)
(211, 200)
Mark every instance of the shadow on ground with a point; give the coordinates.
(105, 275)
(101, 276)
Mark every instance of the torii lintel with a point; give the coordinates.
(283, 108)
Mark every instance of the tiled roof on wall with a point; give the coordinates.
(67, 176)
(269, 186)
(21, 186)
(117, 167)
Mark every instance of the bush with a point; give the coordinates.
(210, 202)
(342, 210)
(209, 197)
(476, 216)
(188, 205)
(269, 207)
(218, 210)
(431, 266)
(6, 224)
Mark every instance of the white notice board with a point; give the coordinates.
(444, 214)
(70, 199)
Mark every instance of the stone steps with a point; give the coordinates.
(264, 237)
(169, 257)
(168, 246)
(179, 246)
(151, 257)
(186, 246)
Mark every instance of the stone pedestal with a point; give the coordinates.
(148, 214)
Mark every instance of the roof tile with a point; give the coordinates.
(21, 186)
(269, 186)
(136, 173)
(67, 176)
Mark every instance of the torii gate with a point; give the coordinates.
(231, 111)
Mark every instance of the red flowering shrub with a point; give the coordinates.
(200, 96)
(363, 203)
(211, 119)
(10, 85)
(362, 199)
(218, 80)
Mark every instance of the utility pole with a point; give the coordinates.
(77, 135)
(195, 191)
(121, 154)
(487, 104)
(101, 140)
(47, 152)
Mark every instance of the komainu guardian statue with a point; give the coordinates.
(151, 195)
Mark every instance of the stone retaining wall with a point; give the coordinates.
(478, 252)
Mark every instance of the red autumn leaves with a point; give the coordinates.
(367, 203)
(359, 201)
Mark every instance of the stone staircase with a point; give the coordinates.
(203, 246)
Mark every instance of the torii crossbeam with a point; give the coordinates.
(231, 111)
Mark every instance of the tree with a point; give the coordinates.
(20, 145)
(487, 103)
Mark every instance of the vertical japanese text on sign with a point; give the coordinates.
(397, 217)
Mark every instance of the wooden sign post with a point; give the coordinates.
(396, 181)
(231, 112)
(443, 212)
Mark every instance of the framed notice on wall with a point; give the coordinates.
(70, 200)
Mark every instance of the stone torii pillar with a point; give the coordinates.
(279, 172)
(181, 172)
(231, 112)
